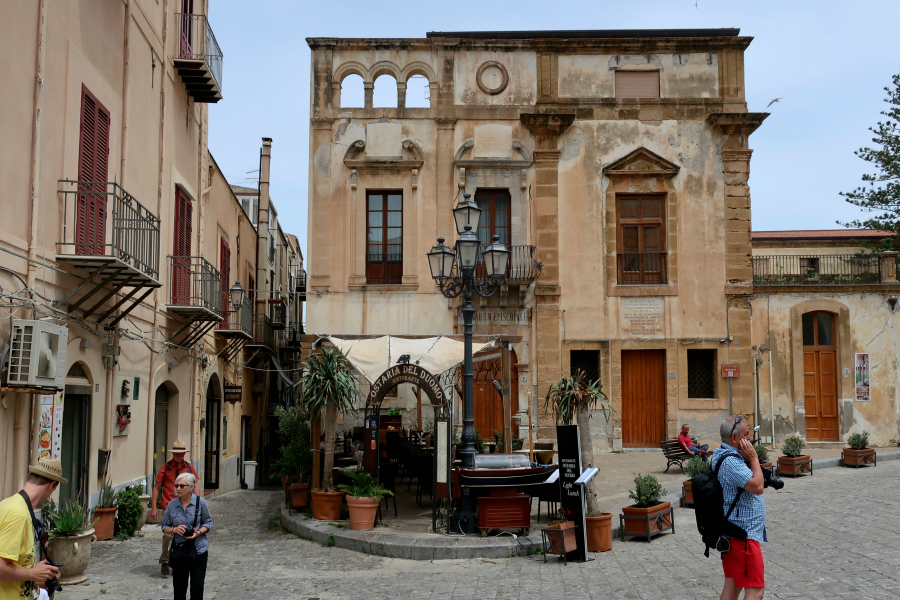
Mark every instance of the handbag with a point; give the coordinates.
(186, 550)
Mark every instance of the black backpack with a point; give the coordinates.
(709, 508)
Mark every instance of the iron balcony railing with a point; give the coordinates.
(197, 42)
(644, 268)
(131, 234)
(523, 266)
(263, 333)
(239, 318)
(298, 279)
(292, 334)
(195, 282)
(821, 269)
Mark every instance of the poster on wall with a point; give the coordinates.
(862, 378)
(49, 431)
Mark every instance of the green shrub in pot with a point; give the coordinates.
(695, 466)
(762, 453)
(792, 446)
(858, 441)
(647, 491)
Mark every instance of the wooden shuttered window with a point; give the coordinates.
(225, 270)
(384, 247)
(641, 240)
(637, 84)
(93, 163)
(181, 262)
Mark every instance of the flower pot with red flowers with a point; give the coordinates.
(858, 454)
(693, 467)
(648, 516)
(363, 497)
(794, 463)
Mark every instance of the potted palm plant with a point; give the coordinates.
(105, 511)
(648, 515)
(794, 463)
(693, 467)
(327, 388)
(71, 534)
(295, 462)
(858, 454)
(571, 400)
(364, 495)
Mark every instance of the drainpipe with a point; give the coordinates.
(771, 380)
(123, 152)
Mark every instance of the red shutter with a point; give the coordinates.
(93, 161)
(181, 263)
(225, 262)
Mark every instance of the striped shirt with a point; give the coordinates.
(750, 511)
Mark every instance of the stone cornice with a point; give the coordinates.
(547, 124)
(736, 123)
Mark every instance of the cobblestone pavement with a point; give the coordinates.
(833, 535)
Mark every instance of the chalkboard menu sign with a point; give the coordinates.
(568, 440)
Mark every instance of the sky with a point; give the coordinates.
(828, 61)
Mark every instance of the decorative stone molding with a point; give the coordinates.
(547, 124)
(461, 160)
(641, 163)
(321, 122)
(445, 122)
(486, 87)
(737, 123)
(413, 158)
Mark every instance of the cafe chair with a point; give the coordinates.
(549, 493)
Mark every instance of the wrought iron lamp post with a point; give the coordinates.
(455, 272)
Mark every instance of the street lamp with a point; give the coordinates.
(237, 294)
(465, 280)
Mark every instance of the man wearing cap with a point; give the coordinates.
(165, 479)
(20, 578)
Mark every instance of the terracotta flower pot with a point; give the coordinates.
(767, 465)
(75, 552)
(793, 466)
(567, 543)
(599, 532)
(326, 506)
(858, 458)
(362, 512)
(659, 519)
(106, 523)
(299, 495)
(687, 492)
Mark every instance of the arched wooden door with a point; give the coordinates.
(487, 404)
(820, 377)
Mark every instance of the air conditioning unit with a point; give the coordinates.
(37, 354)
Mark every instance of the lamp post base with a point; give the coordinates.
(463, 519)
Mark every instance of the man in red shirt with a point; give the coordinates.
(165, 479)
(687, 444)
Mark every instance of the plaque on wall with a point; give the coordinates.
(642, 317)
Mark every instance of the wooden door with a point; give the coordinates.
(820, 377)
(93, 159)
(643, 398)
(487, 404)
(74, 447)
(211, 470)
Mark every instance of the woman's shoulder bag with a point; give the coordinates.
(186, 550)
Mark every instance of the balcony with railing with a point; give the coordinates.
(263, 333)
(821, 269)
(198, 58)
(644, 268)
(238, 321)
(298, 281)
(196, 288)
(523, 266)
(111, 236)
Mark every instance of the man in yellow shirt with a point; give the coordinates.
(20, 578)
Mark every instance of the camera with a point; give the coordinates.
(770, 479)
(52, 584)
(189, 531)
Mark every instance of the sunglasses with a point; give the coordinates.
(737, 421)
(181, 485)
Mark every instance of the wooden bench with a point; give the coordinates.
(675, 454)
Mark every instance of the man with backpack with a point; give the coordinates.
(736, 467)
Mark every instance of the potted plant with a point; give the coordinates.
(793, 463)
(295, 462)
(858, 454)
(105, 511)
(327, 388)
(561, 535)
(130, 511)
(693, 467)
(145, 502)
(363, 497)
(648, 515)
(71, 534)
(762, 453)
(571, 400)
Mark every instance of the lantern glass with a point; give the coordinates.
(467, 247)
(440, 259)
(466, 213)
(496, 258)
(237, 294)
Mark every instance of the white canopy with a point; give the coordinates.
(372, 357)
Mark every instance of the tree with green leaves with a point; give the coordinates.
(571, 400)
(327, 387)
(881, 195)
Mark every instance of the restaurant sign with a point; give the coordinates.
(233, 392)
(406, 373)
(568, 439)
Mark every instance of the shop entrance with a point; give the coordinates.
(643, 398)
(489, 408)
(820, 377)
(211, 447)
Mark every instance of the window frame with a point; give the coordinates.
(661, 273)
(391, 270)
(491, 214)
(713, 375)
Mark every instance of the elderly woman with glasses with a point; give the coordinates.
(188, 512)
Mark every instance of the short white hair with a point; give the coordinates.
(191, 479)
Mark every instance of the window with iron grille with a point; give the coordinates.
(701, 373)
(587, 361)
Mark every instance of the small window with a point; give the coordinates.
(384, 253)
(587, 361)
(701, 373)
(637, 84)
(818, 329)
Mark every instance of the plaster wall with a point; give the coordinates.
(522, 69)
(688, 75)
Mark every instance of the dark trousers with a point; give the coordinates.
(195, 570)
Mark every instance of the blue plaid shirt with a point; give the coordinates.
(750, 511)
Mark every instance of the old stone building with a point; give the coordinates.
(615, 165)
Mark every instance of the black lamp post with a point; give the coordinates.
(455, 274)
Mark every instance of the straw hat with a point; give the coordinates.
(179, 447)
(51, 469)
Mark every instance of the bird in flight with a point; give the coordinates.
(773, 102)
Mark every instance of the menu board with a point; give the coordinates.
(49, 431)
(568, 439)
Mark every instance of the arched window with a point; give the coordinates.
(385, 93)
(418, 92)
(353, 94)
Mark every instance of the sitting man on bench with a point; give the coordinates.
(687, 444)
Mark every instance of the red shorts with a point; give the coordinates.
(744, 564)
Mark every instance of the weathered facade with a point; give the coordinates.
(614, 163)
